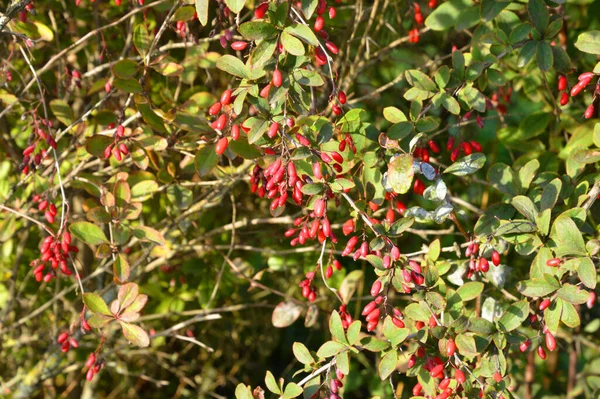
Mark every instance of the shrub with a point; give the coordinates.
(183, 181)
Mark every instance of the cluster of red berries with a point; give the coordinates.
(345, 316)
(583, 81)
(467, 147)
(48, 208)
(117, 148)
(319, 227)
(31, 158)
(501, 99)
(274, 182)
(335, 384)
(372, 310)
(437, 369)
(66, 342)
(335, 265)
(309, 291)
(94, 365)
(54, 251)
(479, 263)
(221, 108)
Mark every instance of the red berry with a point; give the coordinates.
(63, 337)
(495, 258)
(459, 376)
(589, 111)
(544, 304)
(497, 377)
(564, 98)
(277, 78)
(319, 24)
(541, 353)
(214, 109)
(525, 345)
(332, 12)
(273, 129)
(562, 83)
(375, 288)
(450, 347)
(239, 45)
(341, 97)
(418, 187)
(591, 300)
(261, 10)
(550, 341)
(555, 262)
(331, 47)
(221, 145)
(226, 97)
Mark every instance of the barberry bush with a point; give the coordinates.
(312, 198)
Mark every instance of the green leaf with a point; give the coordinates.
(145, 233)
(353, 332)
(562, 61)
(474, 70)
(400, 225)
(302, 32)
(285, 314)
(400, 173)
(257, 129)
(447, 14)
(552, 315)
(271, 383)
(467, 165)
(292, 390)
(243, 392)
(503, 178)
(291, 44)
(180, 196)
(387, 365)
(526, 54)
(570, 315)
(568, 237)
(235, 5)
(394, 115)
(89, 233)
(202, 10)
(135, 334)
(307, 78)
(125, 69)
(470, 290)
(336, 329)
(309, 7)
(528, 172)
(257, 30)
(538, 287)
(62, 111)
(550, 194)
(143, 190)
(539, 15)
(349, 284)
(342, 362)
(419, 80)
(141, 39)
(329, 349)
(394, 334)
(206, 160)
(573, 294)
(544, 56)
(586, 271)
(302, 353)
(400, 130)
(514, 316)
(232, 65)
(96, 304)
(121, 270)
(128, 85)
(525, 206)
(589, 42)
(242, 148)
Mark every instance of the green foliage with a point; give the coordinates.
(221, 199)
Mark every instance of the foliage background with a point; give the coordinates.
(238, 342)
